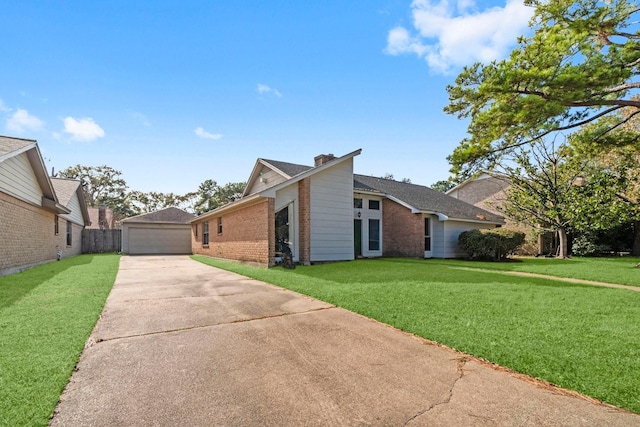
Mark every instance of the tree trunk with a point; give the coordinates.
(635, 251)
(562, 243)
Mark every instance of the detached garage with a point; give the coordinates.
(166, 232)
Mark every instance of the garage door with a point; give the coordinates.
(159, 241)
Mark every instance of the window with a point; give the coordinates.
(56, 225)
(427, 234)
(357, 203)
(374, 234)
(205, 233)
(220, 225)
(69, 236)
(195, 230)
(374, 205)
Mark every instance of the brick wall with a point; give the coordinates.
(304, 218)
(402, 231)
(27, 235)
(247, 235)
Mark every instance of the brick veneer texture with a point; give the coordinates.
(246, 235)
(27, 235)
(402, 231)
(304, 215)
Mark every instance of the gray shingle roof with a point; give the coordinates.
(290, 169)
(65, 188)
(9, 144)
(170, 215)
(424, 198)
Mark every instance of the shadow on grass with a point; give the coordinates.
(15, 286)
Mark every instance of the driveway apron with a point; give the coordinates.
(180, 343)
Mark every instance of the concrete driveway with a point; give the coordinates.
(183, 344)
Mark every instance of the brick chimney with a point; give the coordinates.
(322, 159)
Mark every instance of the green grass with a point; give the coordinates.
(580, 337)
(620, 270)
(46, 315)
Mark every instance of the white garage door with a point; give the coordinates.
(159, 241)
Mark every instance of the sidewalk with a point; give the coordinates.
(184, 344)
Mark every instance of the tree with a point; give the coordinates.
(543, 191)
(443, 185)
(153, 201)
(391, 177)
(580, 64)
(102, 185)
(211, 196)
(618, 165)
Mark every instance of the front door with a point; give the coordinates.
(357, 237)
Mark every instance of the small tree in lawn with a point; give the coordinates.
(543, 191)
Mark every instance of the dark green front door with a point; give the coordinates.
(357, 237)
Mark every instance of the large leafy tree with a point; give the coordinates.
(153, 201)
(210, 195)
(581, 63)
(615, 168)
(102, 185)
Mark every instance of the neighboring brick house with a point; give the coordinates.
(326, 213)
(489, 191)
(33, 219)
(102, 218)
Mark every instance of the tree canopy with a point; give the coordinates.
(581, 63)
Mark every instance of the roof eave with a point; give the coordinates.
(245, 201)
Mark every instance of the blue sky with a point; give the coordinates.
(172, 93)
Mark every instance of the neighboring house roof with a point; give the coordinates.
(12, 147)
(65, 189)
(166, 215)
(421, 199)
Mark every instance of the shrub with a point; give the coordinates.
(493, 244)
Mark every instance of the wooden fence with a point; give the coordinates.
(99, 241)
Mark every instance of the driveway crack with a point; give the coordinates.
(460, 364)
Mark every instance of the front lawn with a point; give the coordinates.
(46, 315)
(620, 270)
(579, 337)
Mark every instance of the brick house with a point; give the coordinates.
(326, 213)
(40, 217)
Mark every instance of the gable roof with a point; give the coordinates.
(422, 199)
(11, 147)
(65, 189)
(167, 215)
(304, 172)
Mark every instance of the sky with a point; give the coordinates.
(172, 93)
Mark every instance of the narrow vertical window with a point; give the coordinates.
(374, 234)
(56, 225)
(205, 233)
(427, 234)
(220, 225)
(195, 230)
(69, 236)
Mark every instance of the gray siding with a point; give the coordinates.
(18, 179)
(332, 213)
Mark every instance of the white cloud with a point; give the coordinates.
(22, 121)
(4, 108)
(262, 89)
(141, 118)
(82, 129)
(452, 34)
(206, 135)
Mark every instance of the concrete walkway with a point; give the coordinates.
(183, 344)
